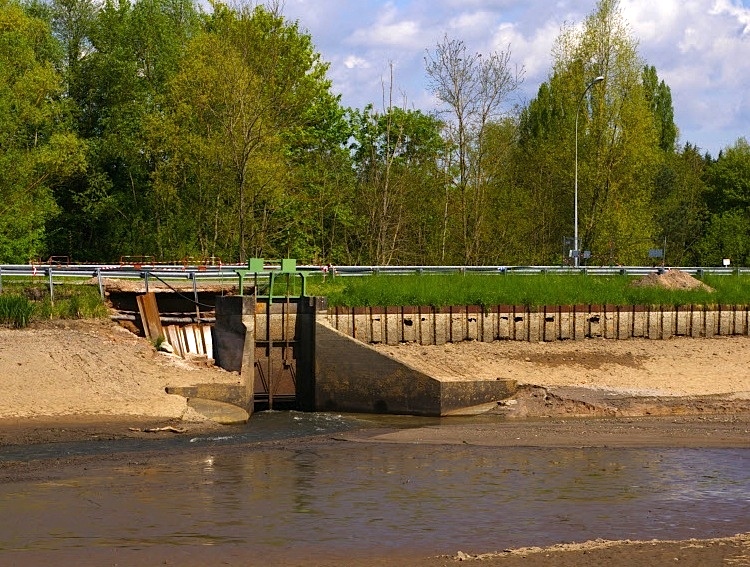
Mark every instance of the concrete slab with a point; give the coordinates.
(220, 412)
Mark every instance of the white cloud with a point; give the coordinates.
(353, 61)
(388, 30)
(701, 48)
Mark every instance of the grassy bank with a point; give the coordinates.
(530, 290)
(21, 303)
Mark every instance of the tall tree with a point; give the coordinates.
(474, 90)
(253, 95)
(680, 210)
(659, 97)
(617, 145)
(73, 22)
(120, 78)
(397, 154)
(728, 198)
(37, 149)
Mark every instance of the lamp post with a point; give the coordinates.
(577, 251)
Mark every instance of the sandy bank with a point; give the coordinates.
(642, 367)
(92, 368)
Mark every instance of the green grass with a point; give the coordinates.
(15, 310)
(22, 303)
(529, 290)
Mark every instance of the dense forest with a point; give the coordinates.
(156, 127)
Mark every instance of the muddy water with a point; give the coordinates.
(225, 501)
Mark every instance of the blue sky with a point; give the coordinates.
(701, 48)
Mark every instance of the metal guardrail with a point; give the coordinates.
(214, 272)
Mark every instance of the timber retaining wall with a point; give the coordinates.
(440, 325)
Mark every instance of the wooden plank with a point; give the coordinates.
(173, 338)
(190, 339)
(149, 312)
(198, 334)
(181, 340)
(208, 341)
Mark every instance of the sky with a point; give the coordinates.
(700, 48)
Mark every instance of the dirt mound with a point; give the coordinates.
(671, 279)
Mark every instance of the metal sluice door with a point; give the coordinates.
(275, 355)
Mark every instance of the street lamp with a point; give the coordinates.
(576, 250)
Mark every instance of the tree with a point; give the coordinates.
(252, 98)
(618, 143)
(118, 78)
(659, 97)
(728, 199)
(36, 147)
(475, 91)
(680, 210)
(396, 155)
(72, 23)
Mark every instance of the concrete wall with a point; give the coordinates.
(352, 376)
(324, 369)
(435, 326)
(321, 358)
(233, 344)
(234, 340)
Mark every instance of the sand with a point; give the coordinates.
(93, 368)
(97, 368)
(673, 367)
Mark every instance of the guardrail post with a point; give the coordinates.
(195, 296)
(1, 280)
(101, 284)
(51, 286)
(145, 279)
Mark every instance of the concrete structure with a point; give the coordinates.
(352, 376)
(435, 326)
(318, 358)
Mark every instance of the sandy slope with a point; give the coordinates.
(675, 367)
(98, 368)
(91, 367)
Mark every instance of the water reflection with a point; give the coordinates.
(349, 498)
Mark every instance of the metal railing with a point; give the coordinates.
(53, 273)
(118, 271)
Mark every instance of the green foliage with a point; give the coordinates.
(15, 310)
(659, 97)
(729, 177)
(36, 148)
(534, 291)
(152, 127)
(243, 142)
(72, 301)
(398, 197)
(727, 234)
(680, 209)
(624, 127)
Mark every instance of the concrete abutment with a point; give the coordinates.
(299, 351)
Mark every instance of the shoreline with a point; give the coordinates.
(672, 427)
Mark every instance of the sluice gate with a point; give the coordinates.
(292, 351)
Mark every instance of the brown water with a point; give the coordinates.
(214, 505)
